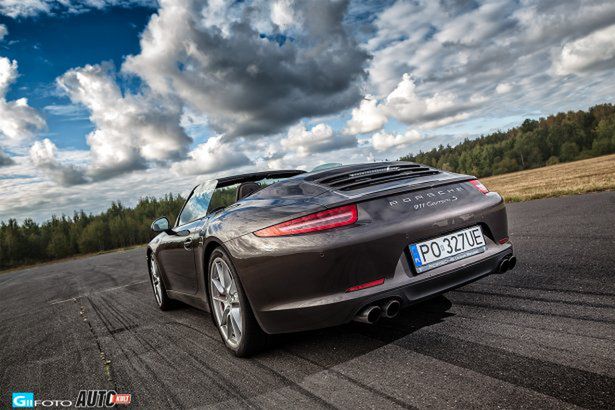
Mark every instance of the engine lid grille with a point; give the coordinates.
(357, 179)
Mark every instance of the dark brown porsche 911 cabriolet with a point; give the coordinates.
(285, 251)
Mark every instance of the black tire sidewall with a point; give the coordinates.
(165, 302)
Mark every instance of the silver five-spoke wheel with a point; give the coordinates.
(156, 282)
(225, 302)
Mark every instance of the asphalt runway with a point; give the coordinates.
(541, 336)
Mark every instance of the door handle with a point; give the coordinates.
(188, 244)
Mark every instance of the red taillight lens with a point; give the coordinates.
(366, 285)
(479, 185)
(320, 221)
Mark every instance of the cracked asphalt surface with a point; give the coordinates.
(541, 336)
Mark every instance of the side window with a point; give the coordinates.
(223, 197)
(198, 203)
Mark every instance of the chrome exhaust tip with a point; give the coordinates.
(512, 262)
(503, 266)
(391, 308)
(369, 315)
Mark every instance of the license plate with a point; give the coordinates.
(448, 248)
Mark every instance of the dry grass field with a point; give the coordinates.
(589, 175)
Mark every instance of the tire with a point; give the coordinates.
(224, 298)
(160, 293)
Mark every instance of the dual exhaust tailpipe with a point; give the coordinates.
(507, 264)
(390, 308)
(372, 313)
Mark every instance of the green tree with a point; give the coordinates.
(553, 160)
(566, 136)
(569, 151)
(62, 236)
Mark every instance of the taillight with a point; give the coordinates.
(320, 221)
(479, 185)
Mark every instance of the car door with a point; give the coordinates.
(177, 259)
(176, 253)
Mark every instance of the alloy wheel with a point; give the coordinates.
(225, 302)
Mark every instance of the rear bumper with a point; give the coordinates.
(340, 309)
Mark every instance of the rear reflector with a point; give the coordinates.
(503, 240)
(320, 221)
(479, 185)
(366, 285)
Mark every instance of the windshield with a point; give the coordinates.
(197, 204)
(206, 198)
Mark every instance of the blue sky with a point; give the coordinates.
(104, 100)
(47, 46)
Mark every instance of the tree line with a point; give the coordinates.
(558, 138)
(64, 236)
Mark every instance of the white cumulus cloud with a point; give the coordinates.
(282, 13)
(18, 121)
(24, 8)
(586, 53)
(383, 141)
(31, 8)
(43, 155)
(214, 155)
(320, 138)
(132, 131)
(503, 88)
(407, 106)
(367, 118)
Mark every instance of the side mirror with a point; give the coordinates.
(161, 225)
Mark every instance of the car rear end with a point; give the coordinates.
(386, 236)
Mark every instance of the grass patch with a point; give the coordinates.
(579, 177)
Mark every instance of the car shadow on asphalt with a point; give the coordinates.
(332, 346)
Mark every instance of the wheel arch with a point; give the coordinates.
(208, 250)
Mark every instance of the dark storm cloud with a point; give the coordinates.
(244, 78)
(5, 160)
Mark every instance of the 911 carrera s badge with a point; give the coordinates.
(429, 199)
